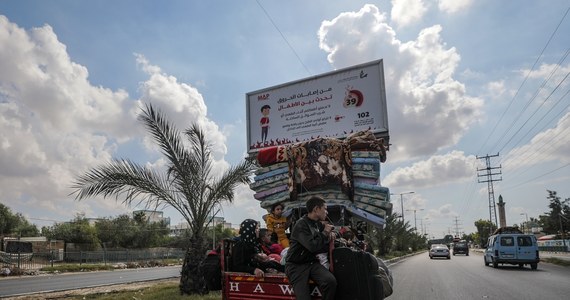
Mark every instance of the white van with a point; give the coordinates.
(512, 247)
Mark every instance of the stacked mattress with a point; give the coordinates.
(344, 173)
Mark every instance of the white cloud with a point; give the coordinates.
(444, 212)
(438, 169)
(182, 104)
(453, 6)
(497, 89)
(54, 124)
(406, 12)
(428, 109)
(244, 207)
(551, 73)
(552, 144)
(52, 119)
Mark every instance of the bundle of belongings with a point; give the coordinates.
(346, 173)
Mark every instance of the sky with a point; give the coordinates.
(464, 79)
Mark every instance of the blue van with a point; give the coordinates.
(512, 247)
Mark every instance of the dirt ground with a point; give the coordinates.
(94, 290)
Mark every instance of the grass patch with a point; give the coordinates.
(159, 291)
(77, 268)
(63, 268)
(556, 261)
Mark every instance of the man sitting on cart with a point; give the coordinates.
(308, 238)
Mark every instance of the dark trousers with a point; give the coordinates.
(264, 131)
(299, 275)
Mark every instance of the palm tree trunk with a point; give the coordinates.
(191, 279)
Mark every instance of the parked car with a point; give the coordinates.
(439, 250)
(461, 247)
(512, 247)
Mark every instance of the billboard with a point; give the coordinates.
(333, 104)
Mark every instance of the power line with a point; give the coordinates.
(532, 179)
(542, 118)
(536, 110)
(284, 38)
(528, 155)
(524, 81)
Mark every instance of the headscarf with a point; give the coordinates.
(247, 233)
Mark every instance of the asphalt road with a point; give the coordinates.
(416, 277)
(14, 286)
(466, 277)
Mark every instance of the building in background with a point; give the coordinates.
(152, 216)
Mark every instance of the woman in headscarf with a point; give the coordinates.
(247, 255)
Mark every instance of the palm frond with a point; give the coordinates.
(166, 136)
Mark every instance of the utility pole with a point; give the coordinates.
(457, 232)
(525, 229)
(415, 220)
(489, 174)
(562, 230)
(402, 203)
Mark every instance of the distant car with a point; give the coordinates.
(439, 250)
(461, 247)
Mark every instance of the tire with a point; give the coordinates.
(534, 266)
(495, 264)
(467, 254)
(521, 266)
(449, 257)
(485, 261)
(430, 257)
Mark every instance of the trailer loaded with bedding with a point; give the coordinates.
(323, 136)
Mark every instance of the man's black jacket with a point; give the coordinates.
(307, 239)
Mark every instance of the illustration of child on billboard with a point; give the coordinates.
(264, 122)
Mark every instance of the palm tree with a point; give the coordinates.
(188, 185)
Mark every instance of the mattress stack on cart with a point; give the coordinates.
(346, 173)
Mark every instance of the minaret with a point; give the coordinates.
(502, 219)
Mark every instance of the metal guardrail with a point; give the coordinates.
(38, 260)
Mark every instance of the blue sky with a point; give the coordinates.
(464, 78)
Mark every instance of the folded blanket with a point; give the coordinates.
(262, 187)
(366, 174)
(271, 155)
(365, 167)
(317, 163)
(365, 154)
(372, 180)
(366, 141)
(270, 174)
(276, 178)
(365, 160)
(271, 167)
(373, 201)
(377, 189)
(269, 192)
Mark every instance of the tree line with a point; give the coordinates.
(120, 232)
